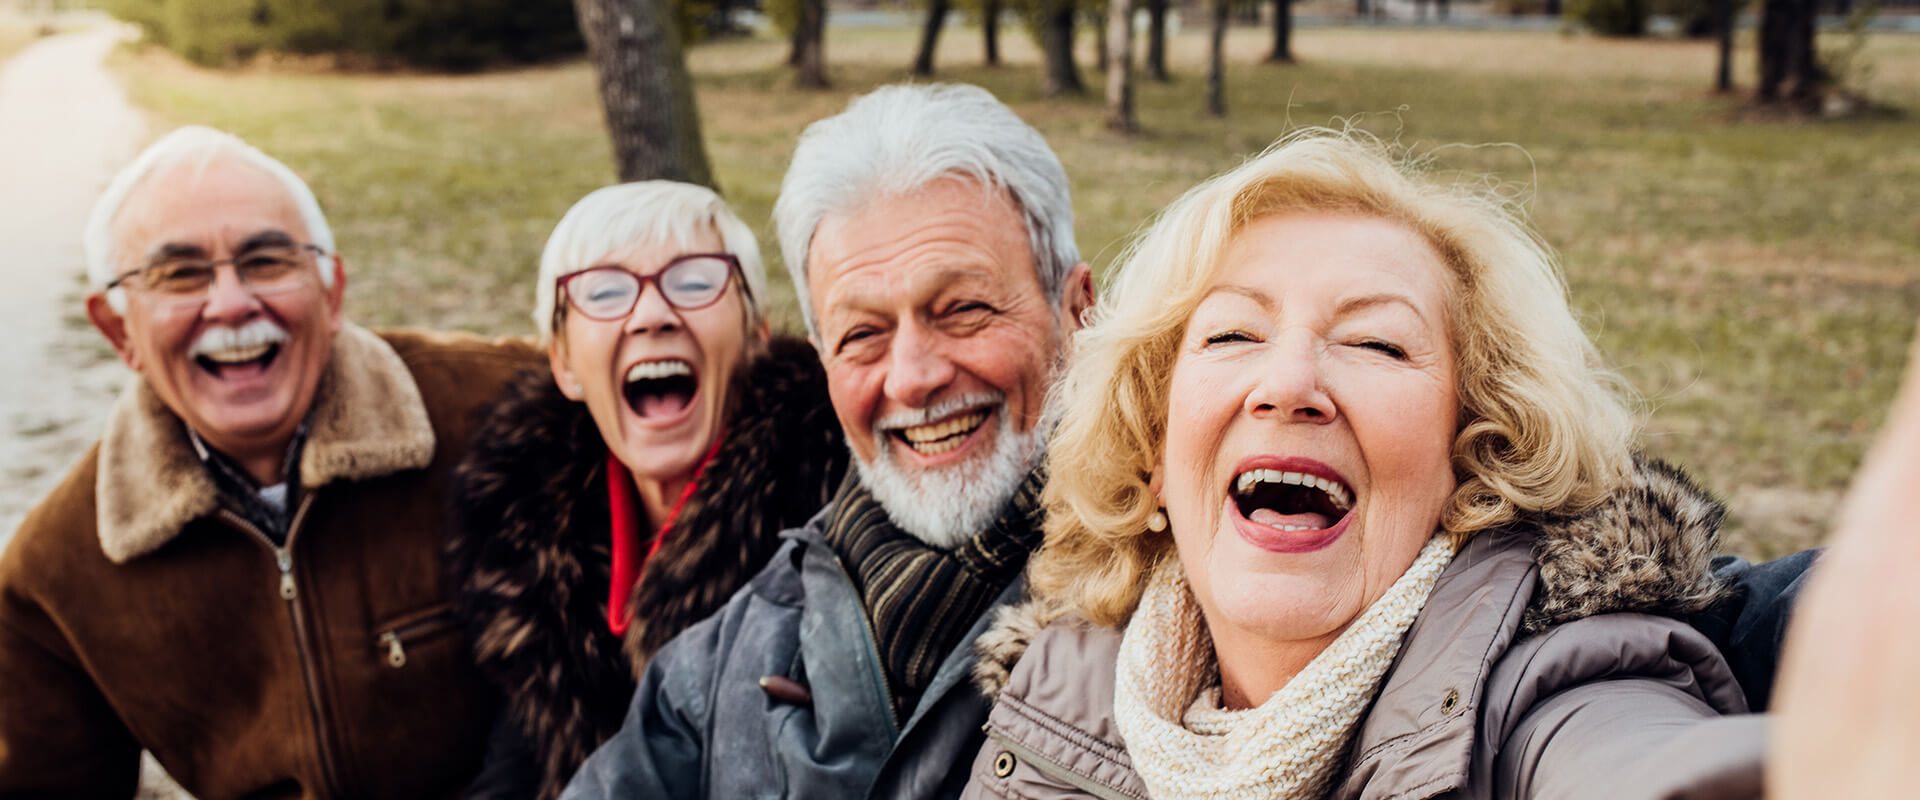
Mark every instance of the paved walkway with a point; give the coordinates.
(65, 127)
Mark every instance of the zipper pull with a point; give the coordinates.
(285, 561)
(396, 655)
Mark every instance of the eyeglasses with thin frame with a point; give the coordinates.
(689, 282)
(263, 270)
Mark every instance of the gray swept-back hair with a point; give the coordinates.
(614, 217)
(897, 139)
(199, 145)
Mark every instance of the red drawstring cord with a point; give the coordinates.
(621, 499)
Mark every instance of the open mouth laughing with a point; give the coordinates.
(660, 389)
(229, 353)
(1294, 507)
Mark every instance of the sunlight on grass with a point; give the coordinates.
(1757, 283)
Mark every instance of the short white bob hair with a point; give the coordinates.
(612, 218)
(200, 146)
(897, 139)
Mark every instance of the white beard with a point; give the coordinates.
(947, 506)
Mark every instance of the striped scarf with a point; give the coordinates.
(920, 600)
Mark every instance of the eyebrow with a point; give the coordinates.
(1366, 301)
(171, 251)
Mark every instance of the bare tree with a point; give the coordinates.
(1157, 40)
(1056, 41)
(809, 56)
(645, 89)
(930, 36)
(990, 30)
(1789, 71)
(1723, 11)
(1120, 67)
(1217, 60)
(1282, 52)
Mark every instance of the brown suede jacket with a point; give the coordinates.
(137, 610)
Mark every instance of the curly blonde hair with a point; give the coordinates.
(1544, 427)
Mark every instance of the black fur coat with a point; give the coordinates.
(530, 557)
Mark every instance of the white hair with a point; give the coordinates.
(614, 217)
(897, 139)
(201, 146)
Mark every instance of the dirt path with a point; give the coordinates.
(65, 127)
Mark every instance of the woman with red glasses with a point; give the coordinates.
(623, 496)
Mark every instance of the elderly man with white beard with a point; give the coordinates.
(929, 234)
(243, 575)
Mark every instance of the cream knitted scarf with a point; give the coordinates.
(1167, 696)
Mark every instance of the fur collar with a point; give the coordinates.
(530, 559)
(1647, 549)
(367, 420)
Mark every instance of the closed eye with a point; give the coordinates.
(1391, 350)
(1224, 337)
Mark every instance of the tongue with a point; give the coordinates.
(1275, 519)
(661, 404)
(244, 369)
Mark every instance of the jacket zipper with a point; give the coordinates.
(290, 593)
(1053, 768)
(394, 639)
(873, 644)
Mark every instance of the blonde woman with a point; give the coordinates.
(1343, 505)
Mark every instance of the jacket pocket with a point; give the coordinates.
(395, 635)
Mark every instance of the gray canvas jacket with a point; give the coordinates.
(701, 725)
(1527, 674)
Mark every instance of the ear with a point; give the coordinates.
(1076, 297)
(1156, 482)
(113, 326)
(562, 372)
(336, 294)
(763, 332)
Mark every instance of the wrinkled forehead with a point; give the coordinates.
(206, 203)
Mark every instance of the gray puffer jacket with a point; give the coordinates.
(781, 694)
(1546, 663)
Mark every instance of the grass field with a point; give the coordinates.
(1757, 282)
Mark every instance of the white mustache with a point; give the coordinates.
(946, 408)
(253, 334)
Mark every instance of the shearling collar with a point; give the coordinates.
(1646, 549)
(368, 420)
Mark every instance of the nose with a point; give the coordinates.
(651, 312)
(1289, 385)
(228, 299)
(917, 367)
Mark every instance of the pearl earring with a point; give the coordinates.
(1157, 521)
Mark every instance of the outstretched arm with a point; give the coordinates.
(1847, 699)
(58, 735)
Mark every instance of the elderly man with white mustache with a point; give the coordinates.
(243, 576)
(929, 234)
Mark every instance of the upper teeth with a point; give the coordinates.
(648, 370)
(924, 438)
(1341, 498)
(235, 355)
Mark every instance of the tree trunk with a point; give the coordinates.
(1788, 71)
(1100, 39)
(1120, 67)
(930, 36)
(1217, 61)
(990, 30)
(1282, 32)
(1723, 30)
(1056, 38)
(645, 90)
(810, 45)
(1157, 40)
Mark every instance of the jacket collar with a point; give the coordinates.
(368, 420)
(1646, 549)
